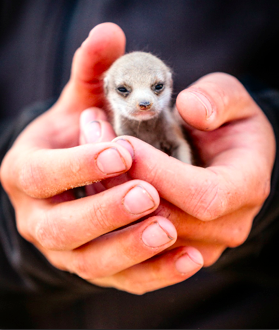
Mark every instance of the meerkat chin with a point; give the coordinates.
(138, 87)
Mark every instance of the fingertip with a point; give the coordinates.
(113, 160)
(140, 198)
(189, 261)
(158, 233)
(196, 108)
(195, 255)
(108, 29)
(126, 156)
(92, 132)
(168, 227)
(106, 41)
(151, 191)
(94, 127)
(91, 114)
(126, 144)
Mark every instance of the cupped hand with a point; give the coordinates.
(213, 207)
(90, 236)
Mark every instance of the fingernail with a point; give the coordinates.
(126, 144)
(203, 102)
(87, 116)
(156, 234)
(189, 261)
(110, 161)
(138, 200)
(92, 131)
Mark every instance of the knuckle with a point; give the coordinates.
(264, 192)
(139, 291)
(219, 83)
(213, 255)
(74, 165)
(22, 229)
(44, 237)
(56, 262)
(99, 218)
(155, 173)
(210, 261)
(237, 240)
(239, 234)
(7, 173)
(80, 266)
(4, 175)
(29, 177)
(208, 202)
(130, 284)
(135, 288)
(48, 233)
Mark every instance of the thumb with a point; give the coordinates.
(214, 100)
(105, 43)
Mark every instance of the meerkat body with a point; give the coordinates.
(138, 87)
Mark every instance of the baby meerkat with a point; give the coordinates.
(138, 87)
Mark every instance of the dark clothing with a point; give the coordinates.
(38, 39)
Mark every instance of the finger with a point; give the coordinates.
(156, 273)
(97, 131)
(211, 252)
(230, 230)
(94, 127)
(213, 100)
(98, 215)
(105, 43)
(91, 114)
(118, 250)
(46, 173)
(204, 193)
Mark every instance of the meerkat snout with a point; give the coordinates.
(144, 105)
(138, 86)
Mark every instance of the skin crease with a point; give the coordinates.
(198, 212)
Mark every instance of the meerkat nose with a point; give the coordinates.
(144, 105)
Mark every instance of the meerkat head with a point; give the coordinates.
(138, 86)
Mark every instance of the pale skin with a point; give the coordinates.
(195, 213)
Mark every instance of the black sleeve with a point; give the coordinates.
(22, 267)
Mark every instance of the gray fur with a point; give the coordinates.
(143, 110)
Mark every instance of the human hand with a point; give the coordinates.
(90, 236)
(213, 207)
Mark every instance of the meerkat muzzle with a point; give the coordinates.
(144, 105)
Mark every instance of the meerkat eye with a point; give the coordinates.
(123, 90)
(158, 88)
